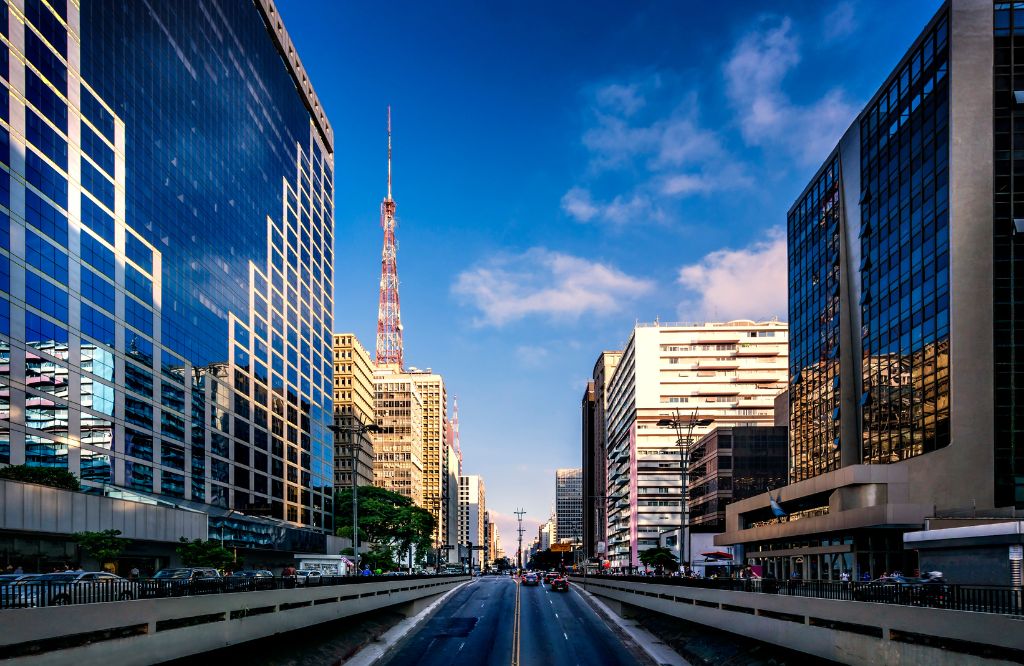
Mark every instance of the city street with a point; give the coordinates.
(476, 625)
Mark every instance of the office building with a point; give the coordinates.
(472, 507)
(452, 471)
(904, 250)
(569, 505)
(166, 259)
(354, 411)
(547, 534)
(594, 408)
(436, 490)
(729, 373)
(398, 442)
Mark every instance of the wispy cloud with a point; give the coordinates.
(532, 356)
(840, 22)
(540, 282)
(748, 283)
(768, 117)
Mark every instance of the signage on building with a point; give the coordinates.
(1016, 553)
(601, 547)
(561, 548)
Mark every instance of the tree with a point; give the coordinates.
(388, 521)
(104, 547)
(659, 558)
(546, 560)
(502, 564)
(44, 476)
(199, 553)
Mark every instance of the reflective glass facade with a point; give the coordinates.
(166, 235)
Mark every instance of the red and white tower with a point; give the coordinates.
(389, 317)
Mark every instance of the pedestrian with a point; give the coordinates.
(844, 577)
(18, 570)
(365, 571)
(134, 573)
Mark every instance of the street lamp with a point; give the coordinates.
(360, 429)
(684, 444)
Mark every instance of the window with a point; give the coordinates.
(97, 290)
(46, 179)
(97, 255)
(97, 325)
(45, 217)
(42, 294)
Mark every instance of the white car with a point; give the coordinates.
(308, 577)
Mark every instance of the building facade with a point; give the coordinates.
(569, 505)
(354, 398)
(167, 277)
(453, 472)
(436, 490)
(398, 442)
(729, 372)
(595, 462)
(472, 507)
(899, 410)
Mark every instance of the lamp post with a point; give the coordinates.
(684, 444)
(360, 429)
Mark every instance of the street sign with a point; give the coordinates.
(479, 548)
(561, 548)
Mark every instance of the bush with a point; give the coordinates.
(44, 476)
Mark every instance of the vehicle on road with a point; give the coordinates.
(309, 577)
(70, 587)
(531, 579)
(11, 594)
(560, 584)
(550, 576)
(255, 579)
(183, 580)
(929, 590)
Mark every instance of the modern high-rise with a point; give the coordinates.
(728, 372)
(569, 504)
(453, 472)
(595, 463)
(398, 444)
(472, 506)
(166, 258)
(904, 254)
(354, 398)
(430, 387)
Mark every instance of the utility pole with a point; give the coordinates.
(519, 514)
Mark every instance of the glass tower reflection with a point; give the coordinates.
(166, 234)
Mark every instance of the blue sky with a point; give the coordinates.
(562, 170)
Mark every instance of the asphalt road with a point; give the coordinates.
(476, 625)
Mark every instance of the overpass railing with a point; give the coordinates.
(43, 593)
(952, 596)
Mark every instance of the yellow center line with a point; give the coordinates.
(515, 629)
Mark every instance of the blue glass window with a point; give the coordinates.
(5, 316)
(5, 273)
(138, 380)
(97, 290)
(43, 452)
(97, 184)
(42, 294)
(5, 148)
(138, 412)
(172, 456)
(98, 396)
(98, 150)
(98, 219)
(97, 115)
(138, 316)
(41, 330)
(172, 426)
(46, 257)
(96, 467)
(138, 444)
(139, 348)
(46, 179)
(171, 484)
(43, 137)
(172, 396)
(46, 218)
(139, 476)
(48, 64)
(138, 284)
(138, 252)
(48, 25)
(97, 255)
(97, 325)
(48, 102)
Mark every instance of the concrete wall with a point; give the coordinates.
(143, 631)
(849, 632)
(27, 507)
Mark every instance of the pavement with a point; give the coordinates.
(494, 621)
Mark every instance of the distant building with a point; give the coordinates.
(595, 463)
(398, 446)
(547, 534)
(354, 399)
(434, 411)
(730, 372)
(472, 507)
(569, 505)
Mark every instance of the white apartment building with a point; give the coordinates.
(436, 490)
(730, 372)
(472, 506)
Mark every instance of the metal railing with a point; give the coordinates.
(36, 594)
(951, 596)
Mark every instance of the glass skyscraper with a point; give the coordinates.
(166, 254)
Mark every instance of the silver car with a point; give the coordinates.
(71, 587)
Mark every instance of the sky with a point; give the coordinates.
(563, 170)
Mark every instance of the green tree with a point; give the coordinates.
(104, 547)
(502, 564)
(659, 558)
(199, 553)
(388, 522)
(44, 476)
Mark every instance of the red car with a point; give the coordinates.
(560, 584)
(550, 576)
(530, 579)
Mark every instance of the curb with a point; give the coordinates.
(654, 647)
(373, 652)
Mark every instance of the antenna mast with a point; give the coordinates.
(389, 318)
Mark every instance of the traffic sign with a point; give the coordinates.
(561, 548)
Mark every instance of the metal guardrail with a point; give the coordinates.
(950, 596)
(37, 594)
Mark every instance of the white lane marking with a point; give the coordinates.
(556, 614)
(462, 645)
(566, 635)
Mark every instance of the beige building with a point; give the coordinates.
(472, 506)
(353, 409)
(398, 446)
(729, 372)
(436, 490)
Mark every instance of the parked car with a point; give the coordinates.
(253, 579)
(929, 590)
(183, 581)
(12, 595)
(531, 579)
(560, 584)
(308, 577)
(61, 589)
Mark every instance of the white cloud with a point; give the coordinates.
(635, 208)
(768, 118)
(619, 98)
(749, 283)
(540, 282)
(840, 22)
(532, 356)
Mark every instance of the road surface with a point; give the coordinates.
(493, 620)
